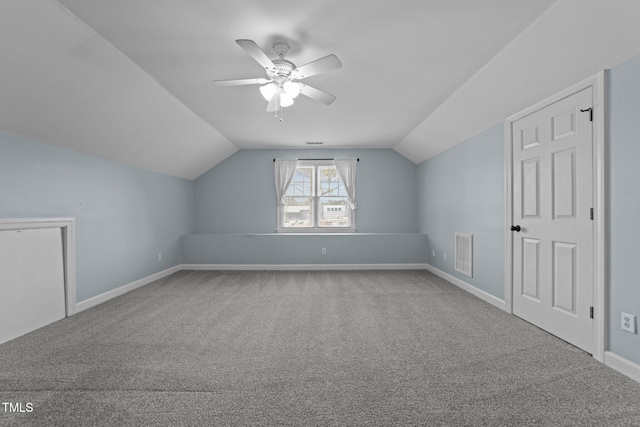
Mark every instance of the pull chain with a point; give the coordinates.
(279, 107)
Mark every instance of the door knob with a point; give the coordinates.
(515, 228)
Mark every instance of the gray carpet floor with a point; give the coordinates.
(299, 348)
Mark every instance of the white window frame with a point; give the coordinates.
(316, 204)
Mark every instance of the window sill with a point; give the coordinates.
(317, 231)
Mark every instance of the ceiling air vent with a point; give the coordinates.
(314, 142)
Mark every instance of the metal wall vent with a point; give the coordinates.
(464, 254)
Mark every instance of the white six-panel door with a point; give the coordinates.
(552, 202)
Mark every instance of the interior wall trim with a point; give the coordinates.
(409, 266)
(106, 296)
(622, 365)
(612, 360)
(485, 296)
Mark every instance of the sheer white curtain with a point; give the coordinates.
(347, 171)
(285, 169)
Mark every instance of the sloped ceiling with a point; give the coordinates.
(130, 80)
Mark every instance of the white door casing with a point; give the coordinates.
(554, 176)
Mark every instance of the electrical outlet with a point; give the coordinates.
(444, 256)
(628, 323)
(324, 251)
(434, 252)
(159, 257)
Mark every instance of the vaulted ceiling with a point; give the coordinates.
(131, 80)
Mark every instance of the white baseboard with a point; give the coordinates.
(106, 296)
(485, 296)
(99, 299)
(416, 266)
(622, 365)
(612, 360)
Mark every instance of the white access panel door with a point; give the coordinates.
(31, 280)
(552, 201)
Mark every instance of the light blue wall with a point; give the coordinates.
(238, 195)
(462, 190)
(124, 216)
(359, 248)
(235, 214)
(623, 188)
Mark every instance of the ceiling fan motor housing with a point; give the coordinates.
(283, 68)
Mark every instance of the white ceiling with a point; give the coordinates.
(130, 80)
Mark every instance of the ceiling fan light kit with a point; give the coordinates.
(280, 89)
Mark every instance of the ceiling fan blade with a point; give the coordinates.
(256, 53)
(327, 63)
(258, 81)
(316, 94)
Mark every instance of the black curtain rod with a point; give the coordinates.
(316, 159)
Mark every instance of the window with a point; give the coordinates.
(316, 200)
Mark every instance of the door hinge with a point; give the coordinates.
(590, 110)
(591, 312)
(591, 214)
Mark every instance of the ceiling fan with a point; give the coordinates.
(280, 87)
